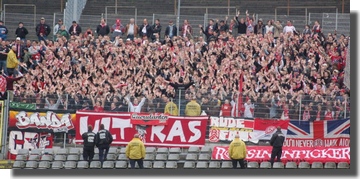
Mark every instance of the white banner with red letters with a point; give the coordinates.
(225, 128)
(296, 154)
(179, 131)
(28, 140)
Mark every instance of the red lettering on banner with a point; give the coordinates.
(179, 131)
(261, 153)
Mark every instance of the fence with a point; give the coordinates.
(261, 105)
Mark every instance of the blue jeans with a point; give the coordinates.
(131, 37)
(102, 156)
(44, 37)
(3, 66)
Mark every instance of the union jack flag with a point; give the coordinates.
(319, 129)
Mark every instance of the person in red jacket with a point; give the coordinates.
(10, 84)
(226, 109)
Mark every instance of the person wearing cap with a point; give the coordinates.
(276, 141)
(3, 31)
(171, 30)
(117, 29)
(259, 27)
(57, 28)
(42, 30)
(193, 108)
(237, 152)
(21, 32)
(135, 152)
(75, 29)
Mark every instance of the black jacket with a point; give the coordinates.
(21, 32)
(241, 27)
(77, 30)
(89, 139)
(277, 139)
(103, 30)
(103, 138)
(167, 31)
(156, 29)
(149, 31)
(47, 29)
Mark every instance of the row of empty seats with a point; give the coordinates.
(172, 165)
(113, 157)
(115, 150)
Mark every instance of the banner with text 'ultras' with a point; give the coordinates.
(178, 132)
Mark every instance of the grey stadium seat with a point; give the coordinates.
(171, 164)
(70, 165)
(74, 151)
(193, 149)
(343, 165)
(214, 164)
(113, 150)
(60, 158)
(162, 150)
(173, 157)
(204, 157)
(31, 164)
(72, 158)
(191, 156)
(36, 152)
(108, 165)
(189, 165)
(317, 165)
(175, 150)
(122, 150)
(18, 164)
(62, 151)
(265, 165)
(291, 165)
(148, 164)
(150, 150)
(122, 157)
(304, 165)
(159, 164)
(34, 157)
(253, 165)
(149, 156)
(82, 165)
(21, 158)
(226, 164)
(331, 165)
(278, 165)
(121, 164)
(96, 157)
(49, 151)
(95, 165)
(44, 165)
(202, 165)
(111, 157)
(23, 152)
(57, 165)
(206, 149)
(161, 157)
(47, 158)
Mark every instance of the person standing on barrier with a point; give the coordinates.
(89, 138)
(237, 152)
(103, 141)
(135, 151)
(277, 141)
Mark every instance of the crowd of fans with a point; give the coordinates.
(283, 71)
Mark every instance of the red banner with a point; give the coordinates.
(28, 140)
(265, 128)
(296, 154)
(149, 119)
(179, 131)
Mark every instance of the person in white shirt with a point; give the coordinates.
(289, 28)
(135, 106)
(248, 107)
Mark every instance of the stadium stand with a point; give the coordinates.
(82, 165)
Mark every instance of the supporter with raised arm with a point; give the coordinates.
(135, 106)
